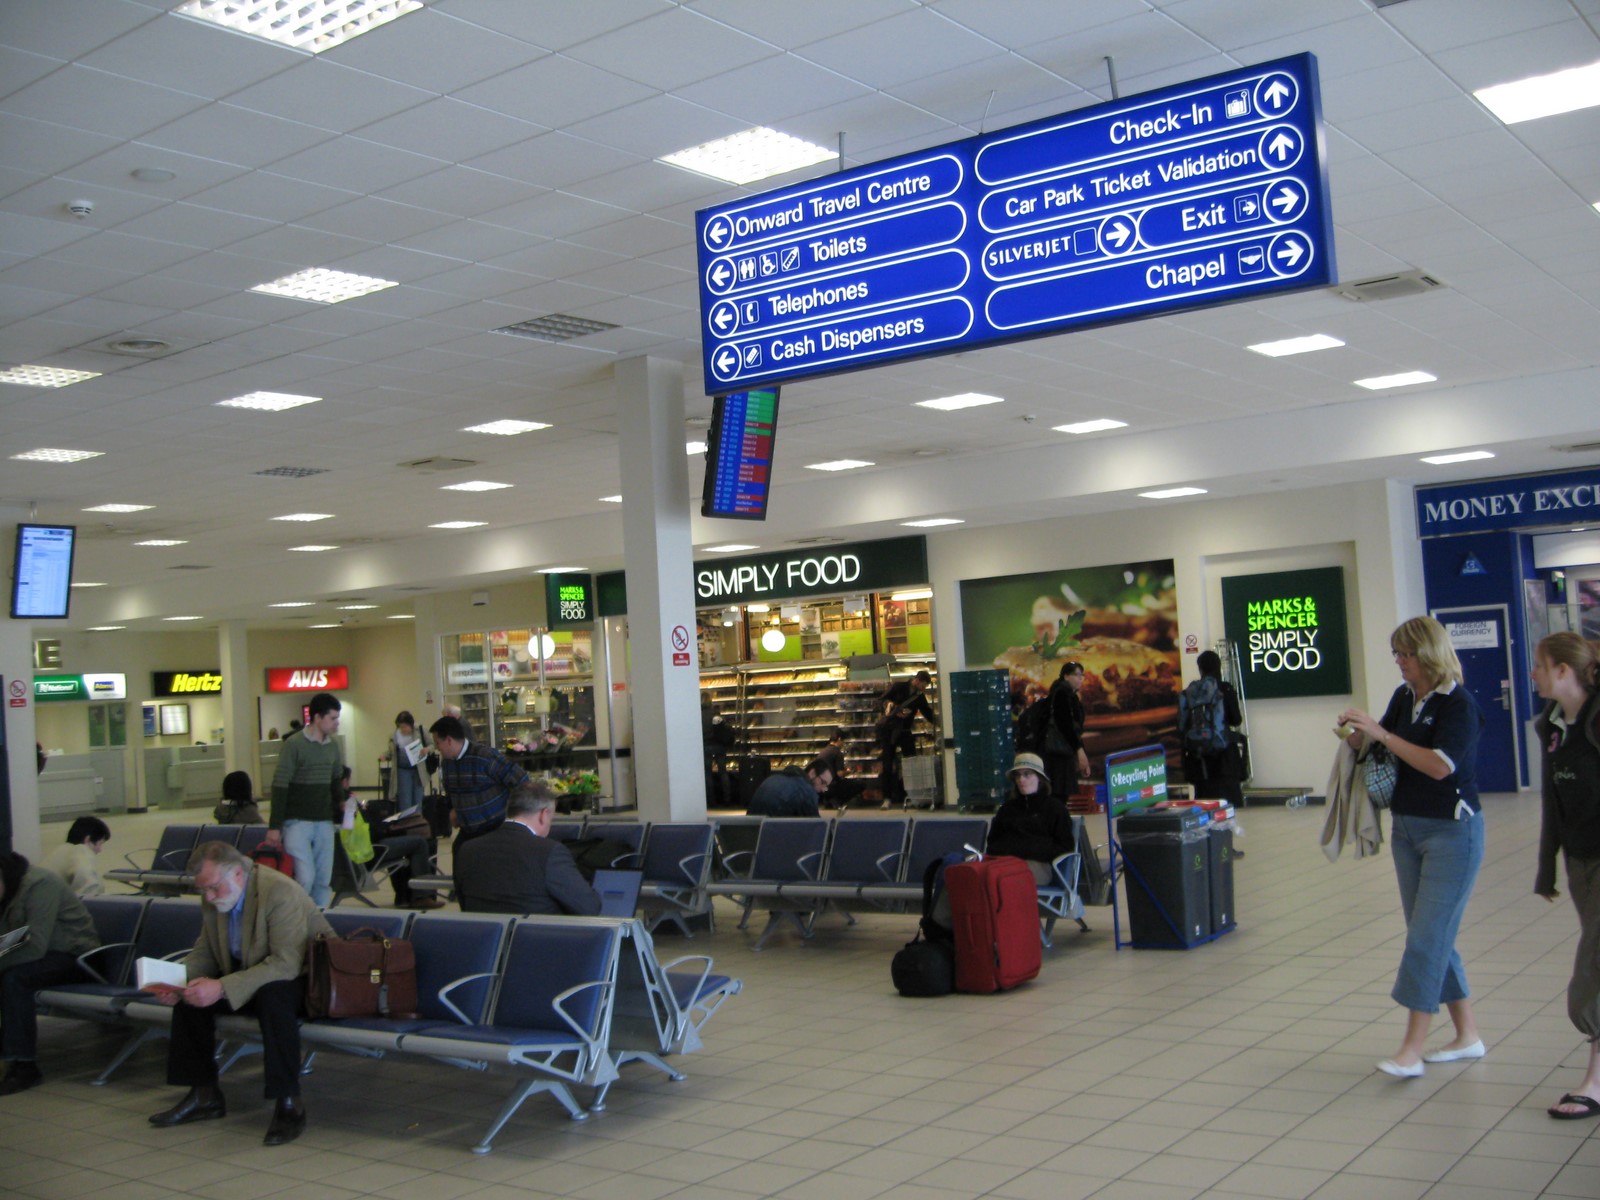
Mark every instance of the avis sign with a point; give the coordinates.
(1290, 629)
(307, 679)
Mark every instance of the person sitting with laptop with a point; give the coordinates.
(518, 867)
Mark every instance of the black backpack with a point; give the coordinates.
(926, 965)
(1033, 723)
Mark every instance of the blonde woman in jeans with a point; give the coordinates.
(1431, 728)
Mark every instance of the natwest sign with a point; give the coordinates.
(307, 679)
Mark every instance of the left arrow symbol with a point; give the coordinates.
(726, 361)
(717, 233)
(721, 320)
(719, 274)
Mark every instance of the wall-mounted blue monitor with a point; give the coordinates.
(744, 426)
(41, 572)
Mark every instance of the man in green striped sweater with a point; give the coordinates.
(307, 798)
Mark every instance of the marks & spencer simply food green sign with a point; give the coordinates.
(1290, 629)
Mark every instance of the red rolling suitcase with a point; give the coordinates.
(994, 904)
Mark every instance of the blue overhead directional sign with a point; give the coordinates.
(1203, 193)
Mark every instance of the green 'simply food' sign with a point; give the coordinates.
(1289, 628)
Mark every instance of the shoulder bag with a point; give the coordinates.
(363, 975)
(1380, 772)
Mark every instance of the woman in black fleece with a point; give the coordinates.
(1032, 824)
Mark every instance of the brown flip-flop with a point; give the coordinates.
(1590, 1106)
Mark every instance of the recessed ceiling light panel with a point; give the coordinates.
(1543, 95)
(1440, 460)
(48, 455)
(694, 447)
(162, 542)
(45, 377)
(555, 327)
(610, 499)
(933, 522)
(268, 401)
(749, 155)
(1173, 493)
(105, 628)
(311, 549)
(964, 400)
(292, 604)
(839, 464)
(1378, 383)
(311, 25)
(119, 508)
(1296, 345)
(1096, 426)
(729, 548)
(323, 286)
(475, 485)
(506, 428)
(458, 525)
(308, 516)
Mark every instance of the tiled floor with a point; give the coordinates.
(1240, 1069)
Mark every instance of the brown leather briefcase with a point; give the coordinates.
(363, 975)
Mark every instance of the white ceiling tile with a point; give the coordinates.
(771, 90)
(875, 54)
(194, 225)
(675, 48)
(554, 215)
(367, 216)
(466, 240)
(554, 160)
(451, 130)
(457, 191)
(555, 24)
(211, 61)
(18, 69)
(273, 197)
(66, 31)
(47, 147)
(635, 236)
(298, 246)
(235, 135)
(356, 165)
(791, 25)
(107, 104)
(555, 91)
(432, 50)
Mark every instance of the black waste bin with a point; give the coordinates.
(1168, 882)
(1223, 917)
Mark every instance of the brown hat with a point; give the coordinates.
(1027, 762)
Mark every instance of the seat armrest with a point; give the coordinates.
(623, 860)
(444, 994)
(889, 876)
(559, 1003)
(1066, 868)
(693, 877)
(83, 959)
(808, 864)
(727, 861)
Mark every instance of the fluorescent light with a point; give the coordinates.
(1543, 95)
(304, 517)
(324, 286)
(357, 607)
(325, 626)
(750, 155)
(292, 604)
(729, 548)
(162, 542)
(183, 618)
(561, 570)
(475, 485)
(56, 456)
(931, 522)
(268, 401)
(610, 499)
(458, 525)
(105, 628)
(694, 447)
(506, 428)
(312, 549)
(85, 583)
(913, 594)
(1296, 345)
(119, 508)
(964, 400)
(1173, 493)
(1440, 460)
(1378, 382)
(401, 617)
(757, 608)
(1095, 426)
(839, 464)
(312, 25)
(46, 377)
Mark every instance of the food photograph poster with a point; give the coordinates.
(1120, 622)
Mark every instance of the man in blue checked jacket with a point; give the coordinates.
(476, 777)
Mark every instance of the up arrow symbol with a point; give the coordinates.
(1291, 252)
(726, 361)
(1118, 234)
(1281, 145)
(1276, 92)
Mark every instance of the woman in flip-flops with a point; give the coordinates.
(1564, 671)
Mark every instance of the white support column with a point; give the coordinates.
(239, 720)
(16, 665)
(658, 552)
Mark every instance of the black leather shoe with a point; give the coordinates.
(20, 1076)
(201, 1104)
(288, 1123)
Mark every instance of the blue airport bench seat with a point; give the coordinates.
(789, 850)
(675, 868)
(166, 871)
(931, 838)
(864, 852)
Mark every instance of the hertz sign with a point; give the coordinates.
(307, 679)
(186, 683)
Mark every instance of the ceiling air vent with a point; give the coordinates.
(438, 463)
(556, 327)
(293, 472)
(1578, 448)
(1389, 287)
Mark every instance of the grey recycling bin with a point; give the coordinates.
(1168, 878)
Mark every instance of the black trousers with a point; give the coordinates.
(414, 849)
(894, 740)
(277, 1007)
(19, 1023)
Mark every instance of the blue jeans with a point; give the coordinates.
(310, 844)
(407, 788)
(1436, 862)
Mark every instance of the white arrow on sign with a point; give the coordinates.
(719, 274)
(1281, 145)
(726, 361)
(722, 318)
(1118, 234)
(1275, 93)
(1286, 199)
(718, 231)
(1291, 252)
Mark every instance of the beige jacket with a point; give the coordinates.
(279, 922)
(1351, 817)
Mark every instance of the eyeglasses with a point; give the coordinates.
(1402, 654)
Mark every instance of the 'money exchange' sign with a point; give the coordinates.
(1290, 630)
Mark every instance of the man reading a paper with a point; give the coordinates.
(251, 957)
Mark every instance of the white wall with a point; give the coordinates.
(1365, 528)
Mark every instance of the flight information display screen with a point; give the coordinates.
(739, 454)
(41, 579)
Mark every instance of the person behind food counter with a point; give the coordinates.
(899, 707)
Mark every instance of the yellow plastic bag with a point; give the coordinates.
(357, 840)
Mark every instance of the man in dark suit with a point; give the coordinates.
(518, 868)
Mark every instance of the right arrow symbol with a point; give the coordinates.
(1118, 234)
(1291, 252)
(1286, 199)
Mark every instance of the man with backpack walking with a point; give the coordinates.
(1208, 710)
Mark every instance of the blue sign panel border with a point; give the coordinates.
(1544, 501)
(1206, 192)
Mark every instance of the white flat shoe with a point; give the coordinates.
(1389, 1067)
(1476, 1050)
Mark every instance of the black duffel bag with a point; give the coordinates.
(923, 968)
